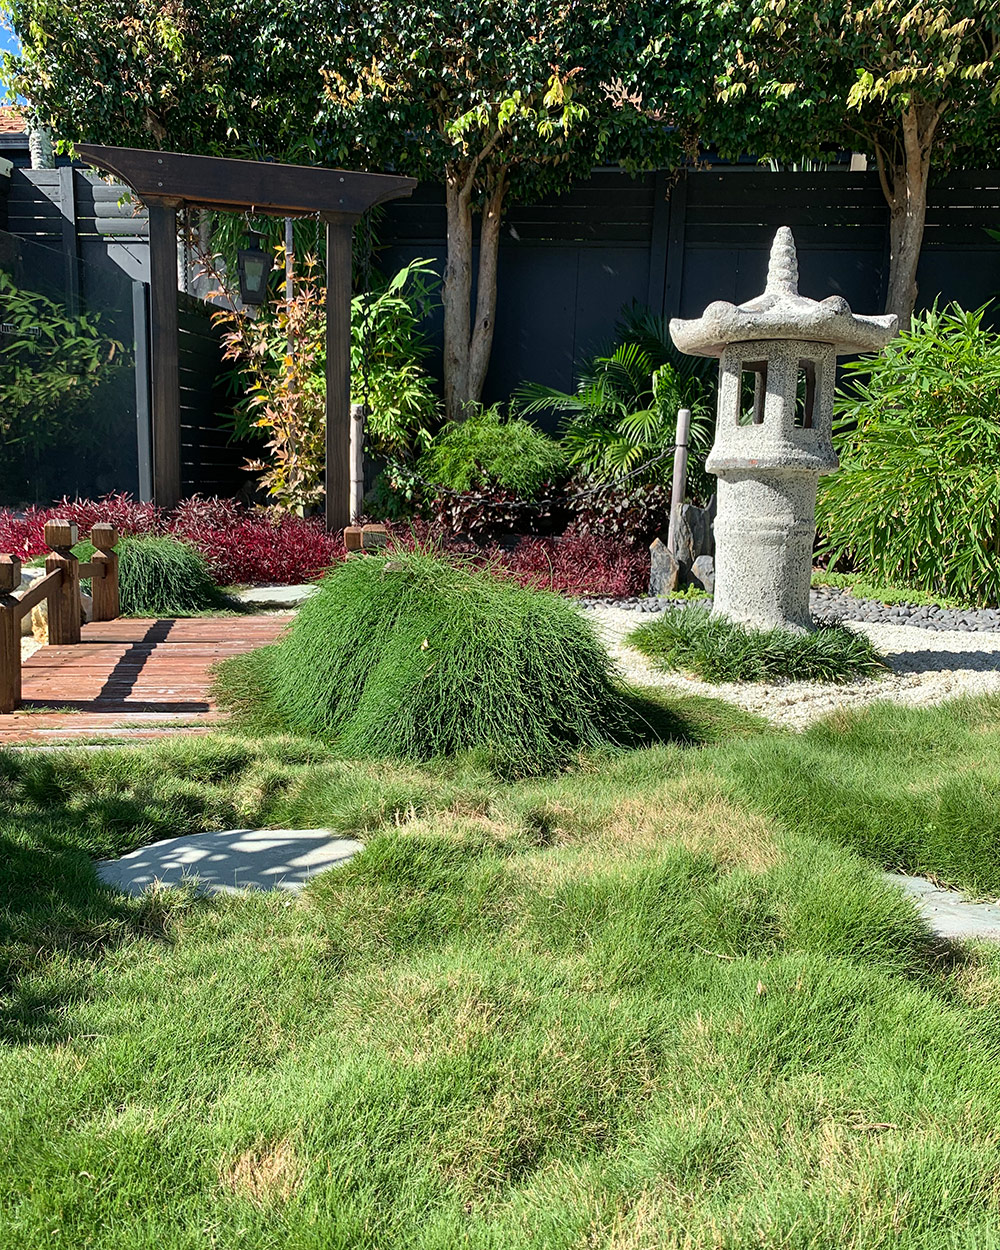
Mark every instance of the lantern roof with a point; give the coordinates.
(782, 313)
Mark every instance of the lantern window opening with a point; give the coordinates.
(805, 395)
(753, 390)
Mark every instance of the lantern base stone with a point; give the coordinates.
(763, 553)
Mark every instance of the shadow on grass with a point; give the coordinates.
(661, 717)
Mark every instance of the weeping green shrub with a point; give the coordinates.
(917, 499)
(160, 576)
(410, 656)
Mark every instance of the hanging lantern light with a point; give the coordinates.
(254, 267)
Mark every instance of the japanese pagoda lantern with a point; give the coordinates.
(777, 372)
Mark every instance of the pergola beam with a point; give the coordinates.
(169, 181)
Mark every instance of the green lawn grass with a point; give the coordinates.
(660, 999)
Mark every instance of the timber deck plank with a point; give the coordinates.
(131, 679)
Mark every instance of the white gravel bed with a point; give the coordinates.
(28, 647)
(927, 666)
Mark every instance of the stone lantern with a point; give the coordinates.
(777, 372)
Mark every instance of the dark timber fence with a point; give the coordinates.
(568, 264)
(101, 237)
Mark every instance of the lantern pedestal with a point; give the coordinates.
(773, 435)
(764, 535)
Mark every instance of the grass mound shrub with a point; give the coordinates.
(412, 656)
(917, 498)
(164, 577)
(690, 638)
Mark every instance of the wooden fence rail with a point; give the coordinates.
(60, 588)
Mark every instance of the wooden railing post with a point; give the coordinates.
(104, 583)
(64, 601)
(10, 635)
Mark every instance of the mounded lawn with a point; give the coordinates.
(660, 1000)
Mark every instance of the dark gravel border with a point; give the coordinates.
(831, 604)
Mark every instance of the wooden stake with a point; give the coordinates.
(64, 602)
(357, 461)
(104, 587)
(10, 635)
(678, 488)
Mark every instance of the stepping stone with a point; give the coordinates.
(949, 913)
(230, 862)
(276, 596)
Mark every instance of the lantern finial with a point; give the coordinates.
(783, 267)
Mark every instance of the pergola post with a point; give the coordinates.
(163, 342)
(339, 237)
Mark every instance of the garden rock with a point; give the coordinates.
(664, 570)
(694, 535)
(703, 573)
(38, 619)
(276, 597)
(28, 579)
(948, 913)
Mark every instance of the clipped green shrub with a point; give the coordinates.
(164, 577)
(488, 449)
(917, 498)
(691, 639)
(410, 656)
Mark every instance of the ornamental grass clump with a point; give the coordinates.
(693, 640)
(411, 656)
(164, 577)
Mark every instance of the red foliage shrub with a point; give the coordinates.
(256, 548)
(126, 514)
(22, 534)
(241, 545)
(488, 514)
(573, 564)
(578, 565)
(252, 545)
(633, 514)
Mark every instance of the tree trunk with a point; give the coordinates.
(905, 188)
(486, 294)
(468, 342)
(456, 295)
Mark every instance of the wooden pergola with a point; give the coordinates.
(169, 181)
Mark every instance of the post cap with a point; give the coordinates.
(103, 536)
(374, 537)
(61, 533)
(10, 573)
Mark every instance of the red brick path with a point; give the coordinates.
(131, 678)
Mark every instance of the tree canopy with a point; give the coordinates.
(913, 84)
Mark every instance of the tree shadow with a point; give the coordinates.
(56, 922)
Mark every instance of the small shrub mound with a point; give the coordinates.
(689, 638)
(164, 577)
(411, 656)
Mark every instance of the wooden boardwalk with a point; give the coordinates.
(131, 679)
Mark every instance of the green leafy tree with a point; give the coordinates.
(915, 84)
(501, 100)
(208, 77)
